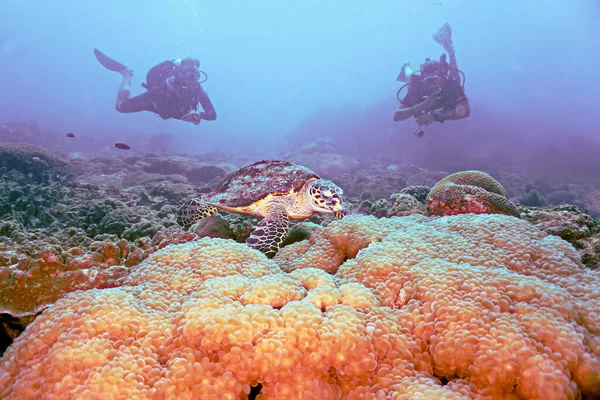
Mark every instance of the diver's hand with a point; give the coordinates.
(425, 119)
(429, 102)
(193, 117)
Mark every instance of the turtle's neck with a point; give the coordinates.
(301, 205)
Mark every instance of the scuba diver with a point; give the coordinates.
(173, 89)
(435, 92)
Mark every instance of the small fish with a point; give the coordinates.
(71, 135)
(122, 146)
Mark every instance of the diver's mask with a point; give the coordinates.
(427, 78)
(190, 75)
(430, 70)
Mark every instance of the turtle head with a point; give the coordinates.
(326, 197)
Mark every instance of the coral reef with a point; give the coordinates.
(322, 157)
(377, 208)
(469, 192)
(590, 197)
(572, 224)
(465, 306)
(57, 236)
(406, 204)
(561, 197)
(409, 200)
(34, 162)
(358, 308)
(193, 171)
(532, 198)
(419, 192)
(22, 131)
(328, 166)
(300, 231)
(36, 275)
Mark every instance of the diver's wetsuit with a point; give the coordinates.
(452, 93)
(171, 105)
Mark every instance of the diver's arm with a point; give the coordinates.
(403, 113)
(209, 112)
(453, 73)
(462, 110)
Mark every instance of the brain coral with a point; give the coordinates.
(466, 306)
(469, 192)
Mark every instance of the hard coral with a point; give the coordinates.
(419, 192)
(379, 208)
(405, 204)
(34, 161)
(29, 283)
(532, 198)
(467, 306)
(469, 192)
(572, 224)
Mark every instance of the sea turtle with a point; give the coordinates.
(274, 190)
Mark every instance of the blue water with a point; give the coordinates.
(287, 71)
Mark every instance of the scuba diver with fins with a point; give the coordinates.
(173, 90)
(435, 91)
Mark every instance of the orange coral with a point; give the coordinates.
(468, 306)
(29, 283)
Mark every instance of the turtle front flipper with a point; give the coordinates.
(192, 211)
(270, 231)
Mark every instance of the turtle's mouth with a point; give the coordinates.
(340, 214)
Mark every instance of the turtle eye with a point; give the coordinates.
(326, 194)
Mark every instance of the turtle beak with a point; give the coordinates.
(340, 214)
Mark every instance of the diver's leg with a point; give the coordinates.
(408, 71)
(453, 73)
(444, 37)
(146, 101)
(125, 88)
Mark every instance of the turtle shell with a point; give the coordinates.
(250, 184)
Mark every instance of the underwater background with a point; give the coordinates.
(464, 264)
(289, 70)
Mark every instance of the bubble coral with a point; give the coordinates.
(466, 306)
(469, 192)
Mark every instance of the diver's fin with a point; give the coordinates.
(405, 72)
(108, 62)
(444, 35)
